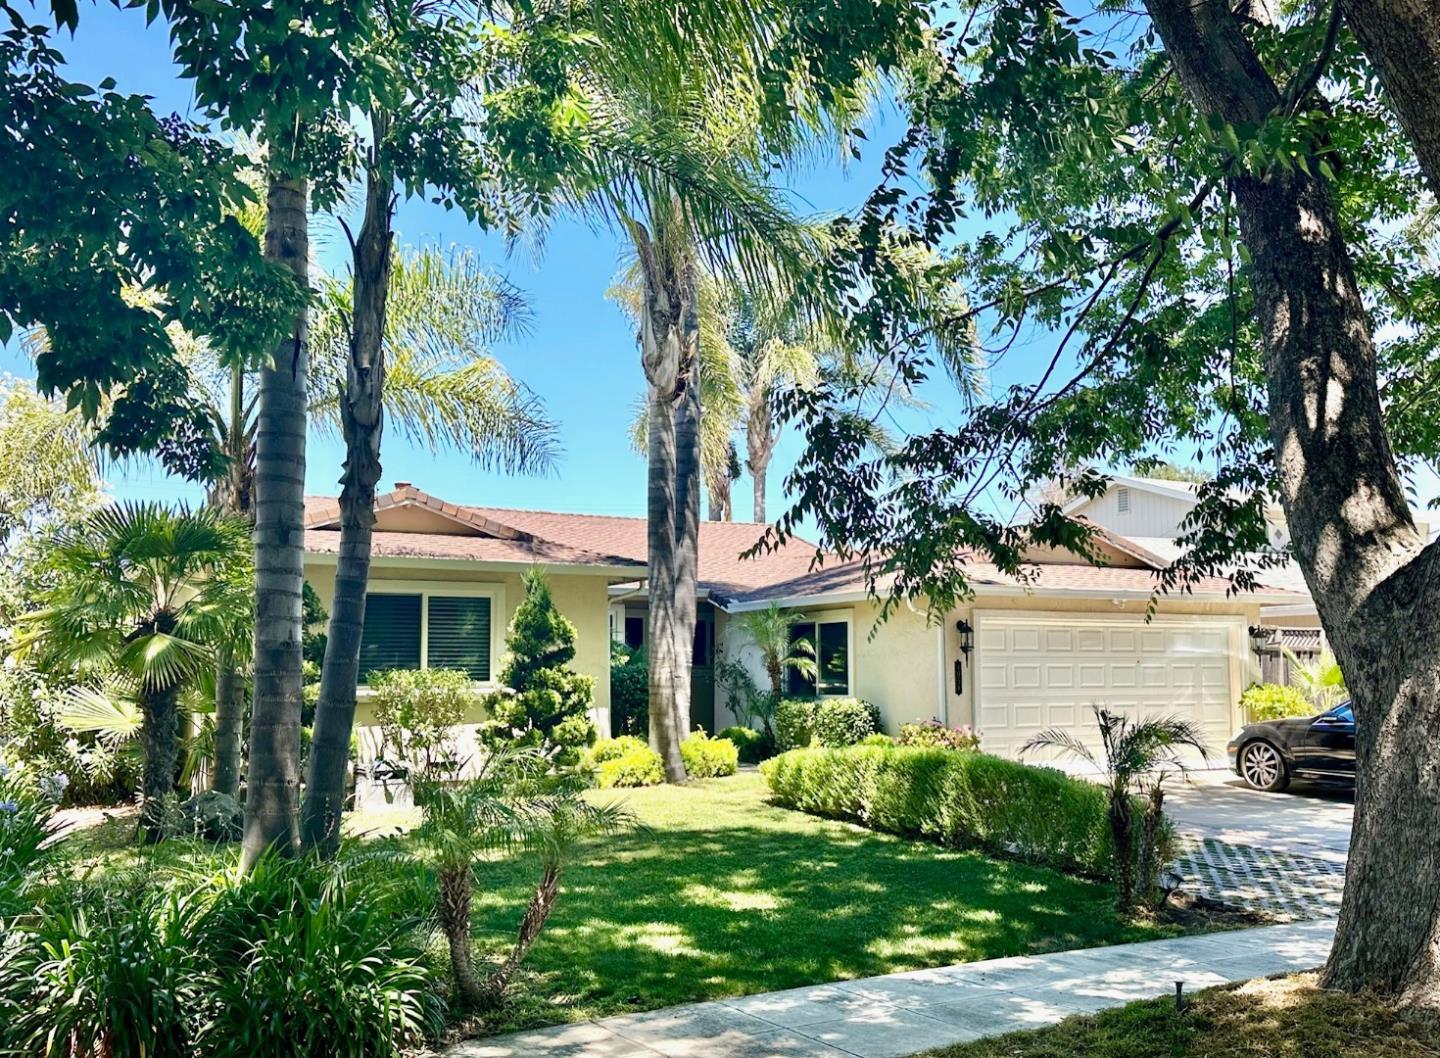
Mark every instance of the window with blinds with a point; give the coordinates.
(391, 636)
(458, 634)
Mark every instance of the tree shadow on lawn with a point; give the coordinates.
(689, 913)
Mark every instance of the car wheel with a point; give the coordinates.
(1263, 767)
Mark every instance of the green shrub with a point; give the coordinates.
(934, 733)
(709, 758)
(844, 721)
(877, 739)
(636, 764)
(961, 799)
(419, 712)
(629, 691)
(115, 973)
(545, 703)
(753, 745)
(1274, 701)
(309, 962)
(27, 808)
(615, 748)
(794, 723)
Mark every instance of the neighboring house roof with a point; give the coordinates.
(423, 526)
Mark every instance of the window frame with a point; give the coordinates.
(829, 617)
(499, 618)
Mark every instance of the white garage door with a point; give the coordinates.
(1043, 670)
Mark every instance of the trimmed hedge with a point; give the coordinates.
(751, 744)
(709, 758)
(1274, 701)
(957, 798)
(844, 722)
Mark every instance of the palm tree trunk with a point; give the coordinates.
(272, 792)
(453, 912)
(660, 354)
(229, 685)
(160, 737)
(537, 912)
(759, 447)
(1123, 839)
(688, 472)
(361, 422)
(229, 719)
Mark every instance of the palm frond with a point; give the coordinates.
(109, 712)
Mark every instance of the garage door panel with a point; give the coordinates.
(1040, 672)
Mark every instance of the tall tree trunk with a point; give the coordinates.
(229, 684)
(537, 912)
(759, 447)
(1373, 579)
(1401, 38)
(160, 737)
(361, 423)
(273, 787)
(689, 470)
(660, 354)
(718, 485)
(229, 723)
(453, 912)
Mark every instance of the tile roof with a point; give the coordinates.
(501, 534)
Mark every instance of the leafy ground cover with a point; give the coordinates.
(723, 894)
(1278, 1018)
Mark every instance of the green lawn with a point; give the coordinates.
(725, 894)
(728, 895)
(1282, 1018)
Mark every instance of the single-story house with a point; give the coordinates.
(1011, 661)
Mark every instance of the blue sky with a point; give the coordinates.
(579, 354)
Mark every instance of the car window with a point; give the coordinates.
(1343, 714)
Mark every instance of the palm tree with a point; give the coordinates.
(411, 315)
(771, 631)
(1137, 757)
(148, 592)
(1319, 679)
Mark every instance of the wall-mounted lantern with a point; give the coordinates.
(967, 637)
(1260, 637)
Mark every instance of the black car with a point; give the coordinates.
(1268, 755)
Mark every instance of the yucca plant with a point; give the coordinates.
(147, 592)
(1135, 759)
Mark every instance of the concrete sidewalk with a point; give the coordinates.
(901, 1014)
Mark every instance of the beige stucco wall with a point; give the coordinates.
(581, 596)
(900, 667)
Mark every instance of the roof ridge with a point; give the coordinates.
(591, 514)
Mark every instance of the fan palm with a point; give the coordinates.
(149, 592)
(1135, 757)
(1319, 679)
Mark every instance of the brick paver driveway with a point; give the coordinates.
(1281, 853)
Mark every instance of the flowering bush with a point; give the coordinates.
(27, 805)
(934, 733)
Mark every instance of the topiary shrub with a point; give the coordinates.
(877, 740)
(794, 723)
(545, 702)
(1274, 701)
(640, 766)
(934, 733)
(844, 721)
(753, 745)
(709, 758)
(960, 799)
